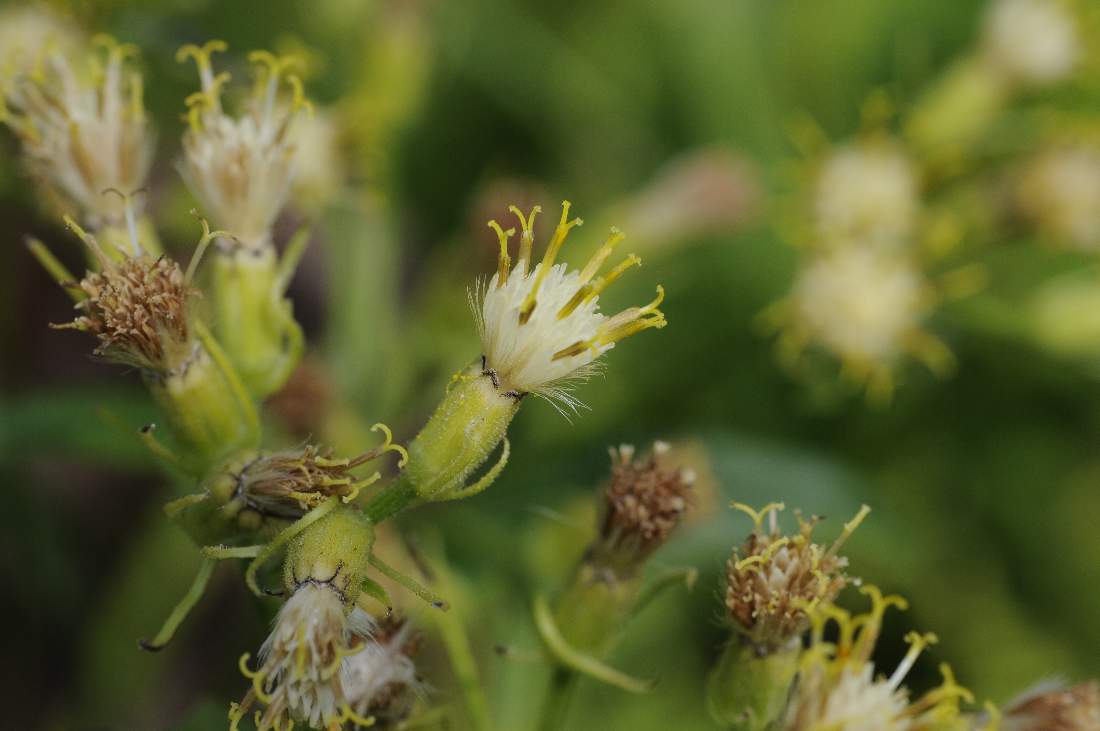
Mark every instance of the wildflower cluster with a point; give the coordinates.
(877, 237)
(215, 339)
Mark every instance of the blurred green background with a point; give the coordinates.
(984, 486)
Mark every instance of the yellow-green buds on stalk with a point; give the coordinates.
(541, 329)
(318, 628)
(837, 687)
(241, 169)
(773, 582)
(139, 308)
(84, 132)
(1055, 707)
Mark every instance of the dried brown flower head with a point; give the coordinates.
(772, 579)
(288, 484)
(1055, 707)
(138, 309)
(644, 501)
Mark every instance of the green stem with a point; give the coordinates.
(563, 685)
(399, 495)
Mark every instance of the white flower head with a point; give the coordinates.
(1031, 41)
(866, 195)
(838, 689)
(1061, 192)
(241, 168)
(300, 677)
(859, 303)
(84, 131)
(542, 327)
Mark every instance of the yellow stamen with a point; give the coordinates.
(355, 718)
(849, 528)
(256, 676)
(298, 95)
(137, 98)
(527, 238)
(601, 254)
(917, 643)
(603, 283)
(631, 321)
(389, 446)
(202, 55)
(504, 262)
(560, 233)
(746, 562)
(758, 516)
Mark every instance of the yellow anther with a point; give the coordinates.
(758, 516)
(775, 546)
(849, 528)
(604, 282)
(116, 51)
(355, 718)
(256, 676)
(746, 562)
(298, 95)
(504, 262)
(575, 349)
(527, 238)
(597, 260)
(202, 54)
(560, 233)
(356, 487)
(389, 446)
(137, 98)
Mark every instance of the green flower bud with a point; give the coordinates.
(334, 551)
(748, 689)
(252, 317)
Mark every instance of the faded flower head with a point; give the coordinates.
(137, 307)
(289, 483)
(83, 130)
(643, 503)
(838, 688)
(866, 194)
(380, 681)
(1055, 707)
(1031, 41)
(1061, 192)
(241, 168)
(773, 581)
(299, 677)
(541, 327)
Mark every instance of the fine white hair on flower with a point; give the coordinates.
(299, 677)
(866, 194)
(241, 168)
(26, 31)
(380, 680)
(1031, 41)
(541, 328)
(83, 130)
